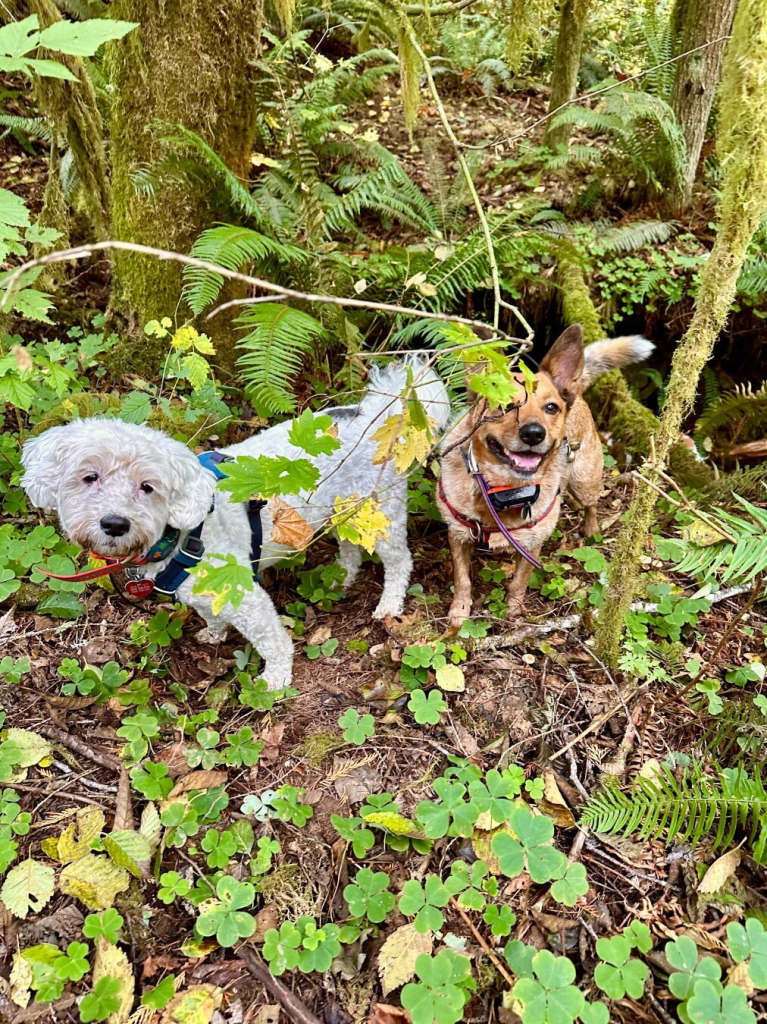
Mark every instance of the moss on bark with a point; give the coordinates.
(567, 62)
(71, 109)
(190, 63)
(743, 154)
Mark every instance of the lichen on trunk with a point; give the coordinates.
(743, 154)
(190, 63)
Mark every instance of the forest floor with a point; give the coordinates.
(526, 699)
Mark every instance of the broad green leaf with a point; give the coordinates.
(224, 584)
(267, 476)
(83, 38)
(310, 431)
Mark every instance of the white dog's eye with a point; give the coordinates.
(91, 478)
(147, 488)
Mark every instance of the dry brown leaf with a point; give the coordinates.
(269, 1014)
(198, 780)
(739, 975)
(397, 956)
(288, 526)
(272, 738)
(553, 803)
(22, 357)
(717, 873)
(194, 1005)
(123, 808)
(383, 1013)
(267, 917)
(111, 962)
(70, 703)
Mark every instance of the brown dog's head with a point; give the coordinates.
(520, 444)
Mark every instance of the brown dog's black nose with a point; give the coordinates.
(532, 433)
(115, 526)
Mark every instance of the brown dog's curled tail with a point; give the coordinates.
(602, 356)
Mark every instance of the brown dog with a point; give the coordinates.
(549, 440)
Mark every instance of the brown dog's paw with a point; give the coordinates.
(458, 614)
(515, 608)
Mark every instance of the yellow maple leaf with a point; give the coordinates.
(361, 521)
(399, 439)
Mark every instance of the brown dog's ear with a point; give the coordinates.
(564, 363)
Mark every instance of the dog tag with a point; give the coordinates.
(139, 588)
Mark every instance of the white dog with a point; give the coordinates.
(118, 487)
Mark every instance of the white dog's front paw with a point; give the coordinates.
(211, 635)
(386, 608)
(277, 677)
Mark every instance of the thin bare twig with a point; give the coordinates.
(290, 1003)
(81, 748)
(85, 251)
(477, 935)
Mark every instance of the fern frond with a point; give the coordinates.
(237, 192)
(388, 191)
(685, 809)
(735, 562)
(278, 339)
(638, 235)
(231, 248)
(34, 127)
(737, 733)
(743, 405)
(752, 282)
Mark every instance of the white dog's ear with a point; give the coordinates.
(39, 458)
(192, 490)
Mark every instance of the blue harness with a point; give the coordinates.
(190, 551)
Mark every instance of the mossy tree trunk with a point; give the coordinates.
(615, 410)
(71, 110)
(190, 63)
(696, 80)
(567, 62)
(743, 154)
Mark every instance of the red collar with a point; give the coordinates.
(479, 531)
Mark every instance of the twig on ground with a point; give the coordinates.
(597, 722)
(470, 924)
(66, 740)
(290, 1003)
(62, 791)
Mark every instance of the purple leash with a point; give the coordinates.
(515, 543)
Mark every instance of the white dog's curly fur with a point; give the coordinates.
(94, 468)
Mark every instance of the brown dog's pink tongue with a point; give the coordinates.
(525, 460)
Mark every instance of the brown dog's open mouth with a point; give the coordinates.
(525, 462)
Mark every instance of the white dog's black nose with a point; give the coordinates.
(532, 433)
(115, 526)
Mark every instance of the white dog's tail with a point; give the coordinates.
(386, 383)
(602, 356)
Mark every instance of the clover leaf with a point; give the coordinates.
(639, 936)
(368, 895)
(493, 795)
(621, 974)
(73, 965)
(281, 948)
(683, 954)
(356, 729)
(501, 919)
(427, 708)
(424, 903)
(320, 945)
(226, 919)
(711, 1004)
(152, 781)
(287, 804)
(454, 816)
(438, 995)
(570, 884)
(106, 925)
(549, 996)
(172, 885)
(362, 839)
(750, 943)
(102, 1001)
(467, 882)
(219, 846)
(532, 847)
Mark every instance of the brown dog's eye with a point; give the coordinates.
(551, 408)
(91, 478)
(147, 488)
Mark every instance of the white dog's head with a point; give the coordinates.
(116, 486)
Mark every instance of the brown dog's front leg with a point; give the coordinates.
(461, 551)
(590, 521)
(518, 586)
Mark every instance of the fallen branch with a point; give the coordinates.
(85, 251)
(290, 1003)
(66, 740)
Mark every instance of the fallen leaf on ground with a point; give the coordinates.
(198, 780)
(717, 873)
(397, 956)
